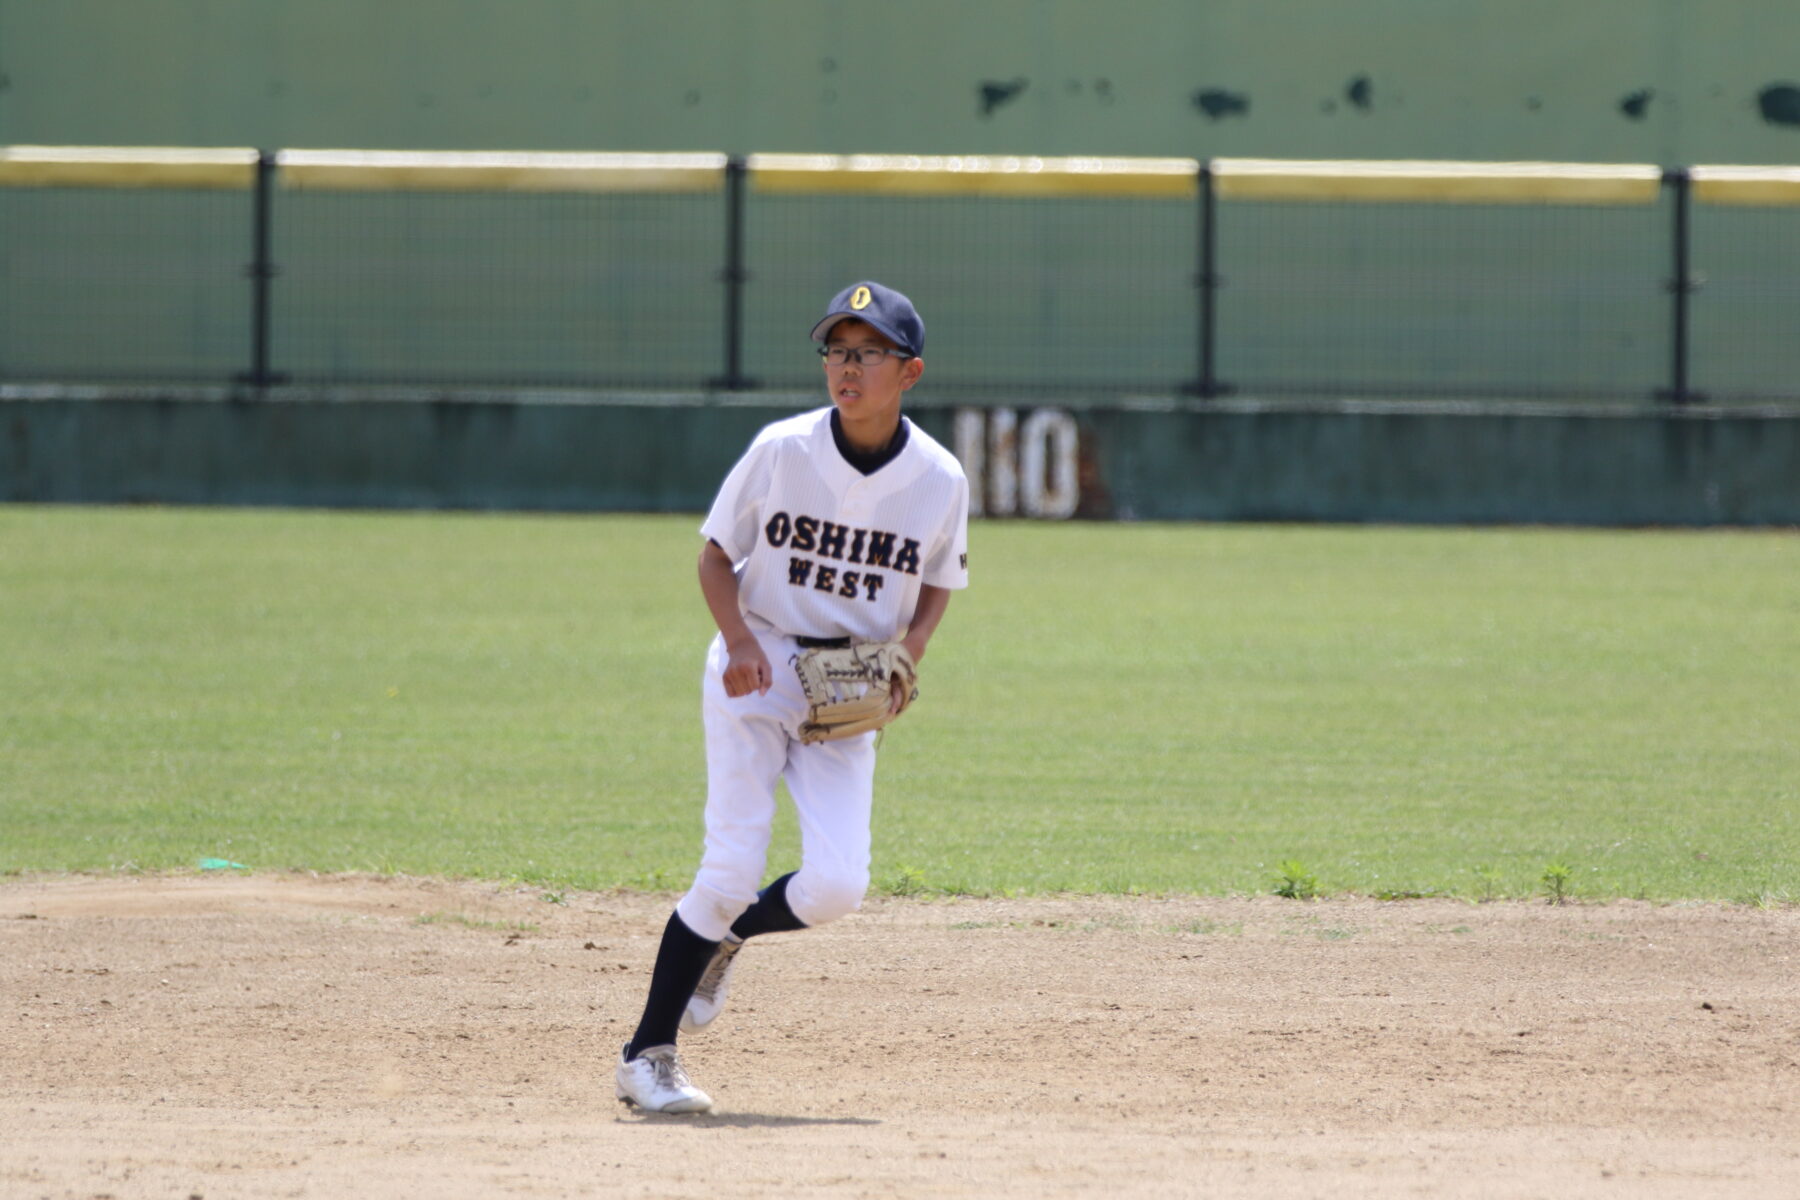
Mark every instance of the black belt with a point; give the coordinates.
(812, 643)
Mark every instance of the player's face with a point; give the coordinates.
(868, 393)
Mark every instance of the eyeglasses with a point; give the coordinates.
(865, 356)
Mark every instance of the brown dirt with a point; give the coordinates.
(330, 1037)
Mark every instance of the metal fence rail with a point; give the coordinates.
(1038, 276)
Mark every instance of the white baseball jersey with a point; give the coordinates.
(822, 550)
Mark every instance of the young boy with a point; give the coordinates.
(844, 524)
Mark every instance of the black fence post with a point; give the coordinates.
(734, 276)
(1681, 286)
(1206, 278)
(262, 272)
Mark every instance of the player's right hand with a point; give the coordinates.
(747, 669)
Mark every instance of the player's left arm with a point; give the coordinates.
(933, 601)
(950, 565)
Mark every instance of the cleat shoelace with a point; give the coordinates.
(715, 974)
(669, 1074)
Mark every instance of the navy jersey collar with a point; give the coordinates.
(867, 463)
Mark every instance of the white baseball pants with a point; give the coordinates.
(751, 742)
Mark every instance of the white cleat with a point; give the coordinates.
(708, 1000)
(655, 1082)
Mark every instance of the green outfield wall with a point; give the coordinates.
(1664, 81)
(1228, 461)
(1079, 304)
(1087, 295)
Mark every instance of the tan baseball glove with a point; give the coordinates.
(851, 690)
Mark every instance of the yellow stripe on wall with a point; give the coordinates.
(1422, 182)
(971, 175)
(126, 167)
(1766, 186)
(1436, 182)
(417, 170)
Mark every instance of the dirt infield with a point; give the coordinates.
(332, 1037)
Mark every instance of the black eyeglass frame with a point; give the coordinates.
(825, 352)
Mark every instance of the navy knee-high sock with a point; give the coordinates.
(770, 912)
(682, 957)
(680, 962)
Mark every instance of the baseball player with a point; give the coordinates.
(847, 524)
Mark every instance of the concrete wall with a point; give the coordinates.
(1665, 81)
(1222, 462)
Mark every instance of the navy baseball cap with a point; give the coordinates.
(882, 308)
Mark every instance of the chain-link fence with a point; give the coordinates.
(1062, 279)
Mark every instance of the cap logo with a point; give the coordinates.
(859, 299)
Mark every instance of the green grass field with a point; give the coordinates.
(1110, 708)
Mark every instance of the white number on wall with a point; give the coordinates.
(1020, 468)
